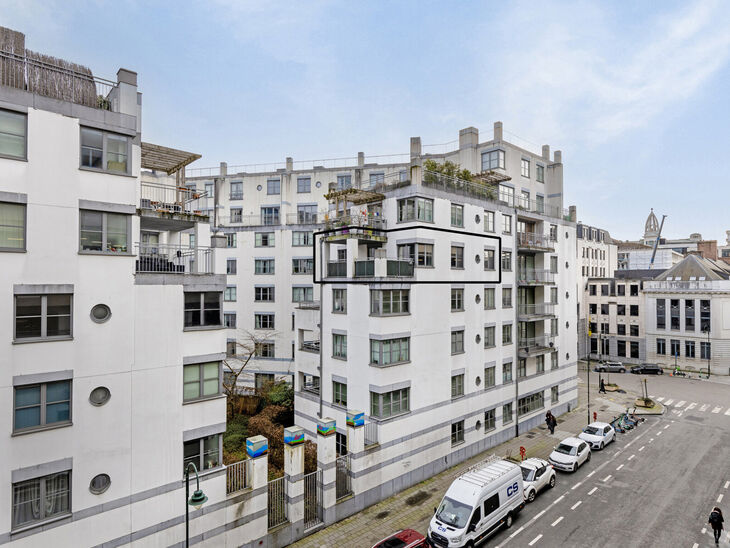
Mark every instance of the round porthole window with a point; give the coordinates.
(100, 483)
(567, 295)
(99, 395)
(479, 425)
(318, 184)
(566, 264)
(479, 380)
(567, 356)
(477, 258)
(101, 313)
(566, 234)
(258, 187)
(478, 298)
(567, 325)
(477, 219)
(478, 338)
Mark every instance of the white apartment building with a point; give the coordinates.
(637, 256)
(110, 369)
(415, 328)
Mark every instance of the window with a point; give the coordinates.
(236, 215)
(634, 290)
(705, 351)
(42, 498)
(634, 330)
(236, 190)
(674, 313)
(604, 289)
(540, 364)
(389, 301)
(302, 294)
(689, 315)
(270, 215)
(457, 257)
(634, 310)
(229, 295)
(231, 240)
(264, 350)
(489, 420)
(13, 129)
(203, 309)
(12, 219)
(521, 368)
(525, 167)
(592, 289)
(705, 316)
(553, 235)
(554, 265)
(457, 385)
(621, 309)
(229, 320)
(661, 346)
(390, 404)
(554, 394)
(554, 360)
(390, 351)
(457, 433)
(506, 224)
(264, 239)
(339, 393)
(507, 334)
(489, 377)
(507, 413)
(231, 266)
(230, 351)
(489, 298)
(415, 209)
(661, 314)
(488, 259)
(201, 380)
(423, 253)
(620, 329)
(457, 215)
(540, 203)
(273, 186)
(457, 342)
(104, 151)
(621, 290)
(634, 348)
(376, 178)
(106, 232)
(304, 185)
(604, 309)
(689, 349)
(402, 175)
(42, 405)
(620, 347)
(506, 297)
(593, 308)
(43, 316)
(493, 160)
(340, 444)
(506, 261)
(457, 300)
(344, 182)
(506, 373)
(539, 173)
(264, 320)
(530, 403)
(489, 221)
(204, 453)
(339, 345)
(339, 301)
(264, 294)
(264, 266)
(489, 337)
(302, 266)
(301, 238)
(674, 347)
(306, 214)
(554, 295)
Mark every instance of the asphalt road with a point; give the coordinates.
(654, 487)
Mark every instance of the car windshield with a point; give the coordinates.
(528, 474)
(566, 449)
(453, 513)
(392, 543)
(592, 430)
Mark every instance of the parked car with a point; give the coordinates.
(405, 538)
(537, 474)
(570, 454)
(647, 369)
(486, 497)
(598, 434)
(610, 367)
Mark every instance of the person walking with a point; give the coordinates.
(551, 421)
(602, 389)
(716, 521)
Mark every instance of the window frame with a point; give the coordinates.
(457, 433)
(24, 247)
(306, 291)
(105, 151)
(339, 346)
(44, 319)
(339, 295)
(377, 302)
(404, 399)
(200, 465)
(307, 188)
(42, 495)
(490, 338)
(309, 237)
(264, 271)
(489, 221)
(275, 184)
(24, 115)
(201, 380)
(203, 325)
(457, 337)
(42, 404)
(105, 233)
(231, 262)
(379, 343)
(457, 386)
(490, 373)
(338, 390)
(299, 265)
(457, 209)
(258, 322)
(490, 420)
(457, 299)
(495, 159)
(236, 195)
(457, 257)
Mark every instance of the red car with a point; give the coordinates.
(407, 538)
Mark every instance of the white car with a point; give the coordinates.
(537, 474)
(570, 454)
(598, 434)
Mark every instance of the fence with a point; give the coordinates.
(343, 484)
(371, 434)
(277, 506)
(313, 499)
(365, 221)
(531, 275)
(533, 239)
(239, 476)
(172, 199)
(174, 259)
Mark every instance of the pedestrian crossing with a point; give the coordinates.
(683, 405)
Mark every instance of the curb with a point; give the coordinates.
(642, 412)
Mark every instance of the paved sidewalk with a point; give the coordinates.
(413, 507)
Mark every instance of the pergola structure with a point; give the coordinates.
(169, 160)
(491, 177)
(354, 196)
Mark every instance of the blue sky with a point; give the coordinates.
(635, 94)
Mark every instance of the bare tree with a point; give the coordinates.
(247, 345)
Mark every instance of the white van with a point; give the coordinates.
(485, 497)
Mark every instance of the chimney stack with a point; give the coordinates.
(498, 131)
(546, 152)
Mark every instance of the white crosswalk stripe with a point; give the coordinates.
(680, 404)
(668, 402)
(728, 411)
(660, 398)
(717, 409)
(704, 408)
(691, 406)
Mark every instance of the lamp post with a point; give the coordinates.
(197, 500)
(588, 382)
(707, 330)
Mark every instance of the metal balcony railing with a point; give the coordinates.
(312, 387)
(239, 476)
(174, 259)
(365, 268)
(337, 269)
(310, 346)
(536, 309)
(363, 221)
(529, 345)
(533, 276)
(533, 240)
(306, 218)
(371, 434)
(171, 199)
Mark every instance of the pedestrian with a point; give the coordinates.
(550, 421)
(602, 389)
(716, 521)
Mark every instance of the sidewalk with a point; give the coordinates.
(413, 507)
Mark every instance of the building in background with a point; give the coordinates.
(723, 251)
(637, 256)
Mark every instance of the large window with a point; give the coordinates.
(507, 413)
(273, 186)
(507, 195)
(489, 298)
(204, 453)
(12, 223)
(457, 215)
(42, 498)
(263, 266)
(390, 351)
(506, 372)
(506, 224)
(339, 301)
(661, 314)
(229, 295)
(689, 315)
(674, 314)
(506, 261)
(389, 301)
(507, 334)
(264, 320)
(339, 394)
(105, 232)
(301, 238)
(489, 377)
(488, 259)
(104, 151)
(457, 300)
(489, 221)
(689, 349)
(306, 214)
(302, 266)
(661, 346)
(43, 317)
(42, 405)
(457, 342)
(705, 316)
(531, 403)
(304, 185)
(13, 129)
(264, 294)
(705, 351)
(457, 257)
(339, 345)
(493, 160)
(457, 432)
(236, 190)
(269, 215)
(506, 297)
(489, 420)
(489, 341)
(390, 404)
(203, 309)
(201, 380)
(302, 294)
(525, 167)
(415, 209)
(421, 254)
(231, 266)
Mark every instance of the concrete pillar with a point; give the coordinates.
(546, 152)
(223, 169)
(468, 142)
(360, 159)
(294, 471)
(257, 449)
(289, 163)
(573, 211)
(127, 92)
(498, 131)
(356, 449)
(352, 256)
(326, 456)
(416, 161)
(558, 157)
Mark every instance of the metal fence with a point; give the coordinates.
(277, 506)
(531, 275)
(175, 259)
(239, 476)
(313, 499)
(310, 346)
(533, 239)
(371, 434)
(343, 485)
(172, 199)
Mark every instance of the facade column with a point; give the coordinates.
(326, 456)
(257, 449)
(356, 450)
(294, 473)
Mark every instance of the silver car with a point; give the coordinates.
(610, 367)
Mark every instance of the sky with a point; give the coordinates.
(635, 94)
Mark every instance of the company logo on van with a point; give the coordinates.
(512, 489)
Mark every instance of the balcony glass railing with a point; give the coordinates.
(172, 199)
(536, 309)
(533, 276)
(337, 269)
(534, 240)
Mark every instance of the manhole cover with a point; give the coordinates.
(417, 498)
(382, 515)
(530, 436)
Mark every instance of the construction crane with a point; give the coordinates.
(656, 242)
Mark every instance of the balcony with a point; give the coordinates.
(310, 346)
(173, 259)
(168, 207)
(532, 346)
(373, 268)
(536, 310)
(364, 227)
(306, 218)
(337, 269)
(364, 269)
(531, 276)
(534, 241)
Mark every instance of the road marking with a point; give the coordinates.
(695, 545)
(513, 535)
(727, 484)
(717, 409)
(619, 468)
(608, 477)
(576, 505)
(667, 426)
(652, 439)
(691, 406)
(668, 402)
(660, 398)
(728, 411)
(680, 404)
(719, 497)
(538, 537)
(576, 485)
(589, 475)
(658, 434)
(704, 408)
(553, 524)
(592, 490)
(641, 448)
(631, 457)
(537, 516)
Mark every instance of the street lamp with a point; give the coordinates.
(196, 501)
(707, 330)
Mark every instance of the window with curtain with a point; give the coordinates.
(39, 499)
(12, 134)
(12, 226)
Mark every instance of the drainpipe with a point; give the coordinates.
(321, 330)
